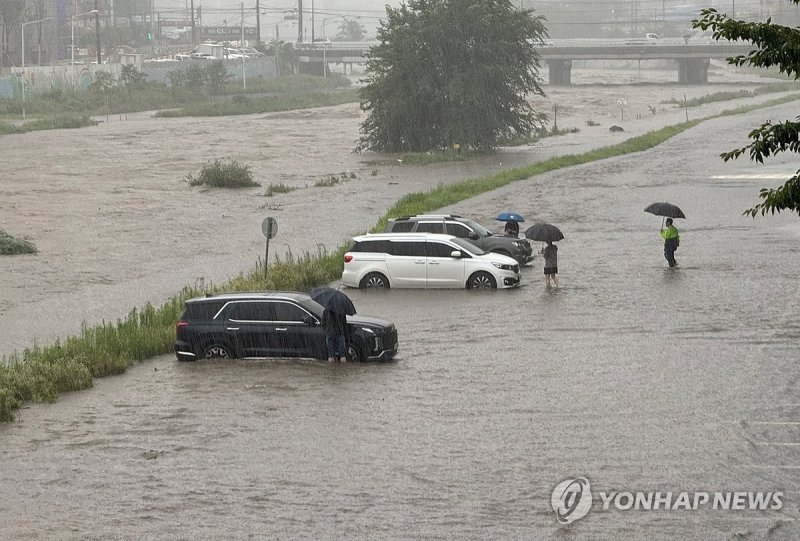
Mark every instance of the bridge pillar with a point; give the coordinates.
(693, 70)
(559, 72)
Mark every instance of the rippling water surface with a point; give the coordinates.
(634, 375)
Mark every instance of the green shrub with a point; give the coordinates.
(11, 245)
(221, 174)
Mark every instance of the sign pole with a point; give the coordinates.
(266, 257)
(269, 227)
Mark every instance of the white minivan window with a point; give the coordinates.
(468, 247)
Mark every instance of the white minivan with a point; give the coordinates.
(425, 260)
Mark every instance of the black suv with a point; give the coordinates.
(475, 233)
(273, 324)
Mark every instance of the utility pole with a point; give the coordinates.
(299, 21)
(97, 30)
(194, 40)
(258, 25)
(241, 48)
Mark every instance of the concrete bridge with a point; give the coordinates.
(691, 55)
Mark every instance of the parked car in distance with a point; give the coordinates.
(250, 52)
(273, 324)
(464, 228)
(425, 260)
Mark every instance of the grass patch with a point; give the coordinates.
(54, 122)
(230, 174)
(265, 104)
(427, 158)
(13, 246)
(462, 154)
(40, 374)
(538, 135)
(272, 189)
(771, 88)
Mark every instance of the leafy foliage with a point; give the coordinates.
(779, 46)
(103, 81)
(451, 71)
(351, 30)
(217, 75)
(131, 78)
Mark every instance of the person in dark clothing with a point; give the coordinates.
(511, 229)
(335, 335)
(671, 242)
(550, 253)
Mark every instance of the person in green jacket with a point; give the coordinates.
(671, 242)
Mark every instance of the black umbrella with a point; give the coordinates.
(333, 300)
(544, 233)
(665, 209)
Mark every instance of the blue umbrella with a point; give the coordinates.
(509, 217)
(333, 300)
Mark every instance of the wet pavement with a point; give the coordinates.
(634, 375)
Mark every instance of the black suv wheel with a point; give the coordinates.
(217, 351)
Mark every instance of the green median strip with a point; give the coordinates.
(40, 374)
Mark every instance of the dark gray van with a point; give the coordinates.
(464, 228)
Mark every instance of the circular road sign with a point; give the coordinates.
(269, 227)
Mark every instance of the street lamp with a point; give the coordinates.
(72, 41)
(325, 20)
(23, 59)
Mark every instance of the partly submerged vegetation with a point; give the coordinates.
(280, 187)
(242, 105)
(12, 245)
(771, 88)
(49, 122)
(224, 174)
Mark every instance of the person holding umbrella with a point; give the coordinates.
(672, 240)
(547, 233)
(512, 220)
(335, 335)
(550, 253)
(670, 234)
(334, 319)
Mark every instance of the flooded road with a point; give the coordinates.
(636, 376)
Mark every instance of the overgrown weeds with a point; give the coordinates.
(273, 189)
(13, 246)
(49, 122)
(333, 180)
(224, 174)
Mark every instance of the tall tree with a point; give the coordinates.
(451, 72)
(350, 30)
(775, 45)
(11, 16)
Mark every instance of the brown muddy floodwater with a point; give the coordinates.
(633, 375)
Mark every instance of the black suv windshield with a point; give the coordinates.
(468, 246)
(478, 228)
